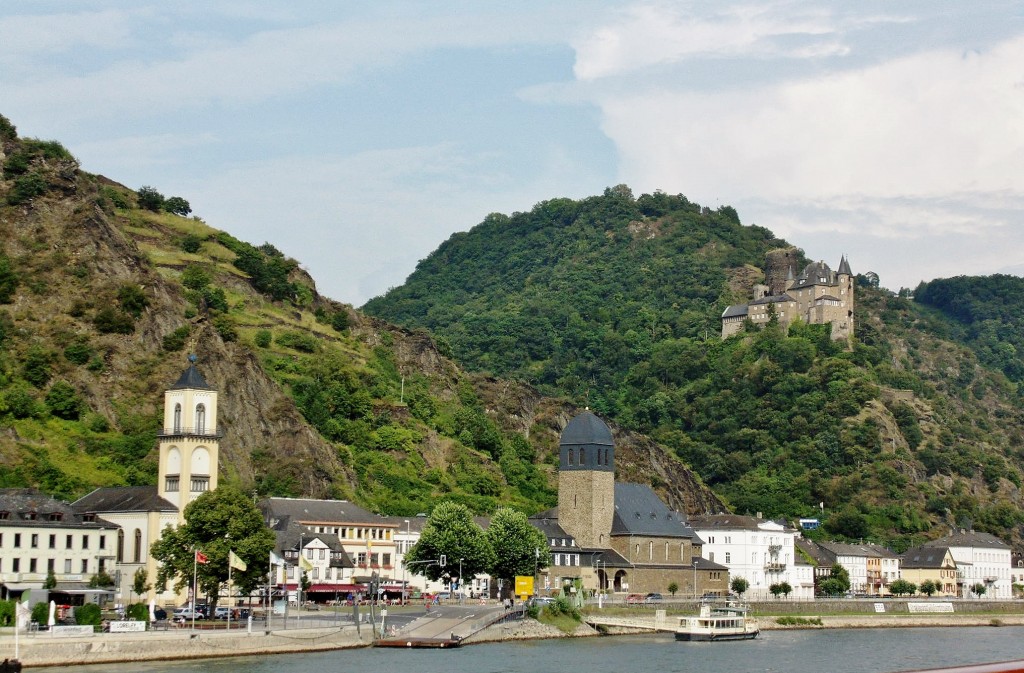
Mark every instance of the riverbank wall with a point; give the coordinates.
(46, 650)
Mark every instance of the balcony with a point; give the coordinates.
(190, 433)
(774, 567)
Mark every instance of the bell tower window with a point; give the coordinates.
(200, 419)
(177, 418)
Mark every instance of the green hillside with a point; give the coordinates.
(615, 302)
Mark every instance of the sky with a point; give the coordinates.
(357, 136)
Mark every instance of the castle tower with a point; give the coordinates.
(845, 279)
(586, 480)
(189, 441)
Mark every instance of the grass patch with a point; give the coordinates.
(564, 623)
(799, 621)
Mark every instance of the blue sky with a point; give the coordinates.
(357, 136)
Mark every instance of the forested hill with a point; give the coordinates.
(571, 294)
(614, 301)
(986, 313)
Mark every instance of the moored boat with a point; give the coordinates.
(728, 621)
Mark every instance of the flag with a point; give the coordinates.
(23, 614)
(201, 557)
(304, 562)
(235, 562)
(276, 560)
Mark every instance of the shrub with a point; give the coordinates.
(133, 300)
(21, 402)
(110, 320)
(89, 614)
(262, 338)
(195, 277)
(17, 164)
(63, 401)
(138, 611)
(26, 187)
(300, 341)
(7, 130)
(116, 197)
(36, 368)
(340, 321)
(191, 243)
(175, 341)
(41, 612)
(150, 199)
(78, 353)
(225, 327)
(8, 280)
(215, 298)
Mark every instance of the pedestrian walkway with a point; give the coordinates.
(448, 626)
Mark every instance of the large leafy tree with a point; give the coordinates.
(450, 532)
(519, 548)
(216, 522)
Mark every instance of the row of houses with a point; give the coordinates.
(613, 537)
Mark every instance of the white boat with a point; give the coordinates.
(729, 621)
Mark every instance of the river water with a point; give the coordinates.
(810, 651)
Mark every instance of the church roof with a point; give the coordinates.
(123, 499)
(587, 429)
(639, 511)
(191, 379)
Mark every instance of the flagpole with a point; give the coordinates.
(195, 585)
(229, 588)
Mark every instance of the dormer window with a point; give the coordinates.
(89, 518)
(29, 516)
(56, 516)
(5, 516)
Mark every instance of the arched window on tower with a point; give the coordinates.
(200, 419)
(572, 456)
(138, 546)
(177, 418)
(582, 461)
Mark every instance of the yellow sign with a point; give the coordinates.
(524, 586)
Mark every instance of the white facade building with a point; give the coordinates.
(762, 552)
(981, 558)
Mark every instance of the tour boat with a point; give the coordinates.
(718, 622)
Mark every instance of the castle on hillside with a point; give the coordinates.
(817, 296)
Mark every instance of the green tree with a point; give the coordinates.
(902, 587)
(88, 614)
(775, 589)
(177, 206)
(786, 588)
(978, 589)
(150, 199)
(36, 368)
(830, 586)
(673, 588)
(51, 580)
(450, 532)
(191, 243)
(929, 588)
(132, 298)
(216, 522)
(739, 585)
(140, 582)
(100, 580)
(519, 548)
(41, 612)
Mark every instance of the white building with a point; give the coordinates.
(40, 535)
(762, 552)
(980, 558)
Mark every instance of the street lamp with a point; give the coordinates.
(405, 550)
(461, 581)
(695, 579)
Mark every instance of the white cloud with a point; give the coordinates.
(29, 35)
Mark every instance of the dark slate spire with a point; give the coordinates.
(844, 267)
(587, 444)
(191, 378)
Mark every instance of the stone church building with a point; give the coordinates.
(617, 537)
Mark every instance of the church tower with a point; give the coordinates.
(586, 481)
(189, 441)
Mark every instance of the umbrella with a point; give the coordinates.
(152, 610)
(53, 609)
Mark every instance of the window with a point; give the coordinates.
(172, 484)
(728, 558)
(85, 566)
(557, 559)
(67, 566)
(316, 573)
(138, 545)
(85, 542)
(650, 550)
(69, 542)
(200, 419)
(15, 565)
(386, 560)
(56, 516)
(50, 565)
(103, 541)
(53, 542)
(120, 546)
(200, 484)
(35, 540)
(32, 565)
(711, 556)
(572, 456)
(177, 418)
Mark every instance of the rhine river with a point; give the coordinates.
(810, 651)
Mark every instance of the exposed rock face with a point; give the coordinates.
(778, 264)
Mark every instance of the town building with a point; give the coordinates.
(981, 558)
(935, 564)
(817, 296)
(189, 449)
(628, 539)
(762, 552)
(40, 536)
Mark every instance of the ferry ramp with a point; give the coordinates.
(448, 626)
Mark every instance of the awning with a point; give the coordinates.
(22, 586)
(328, 588)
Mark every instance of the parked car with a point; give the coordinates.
(653, 597)
(221, 612)
(634, 599)
(160, 614)
(541, 601)
(187, 614)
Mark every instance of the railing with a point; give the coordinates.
(774, 567)
(190, 432)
